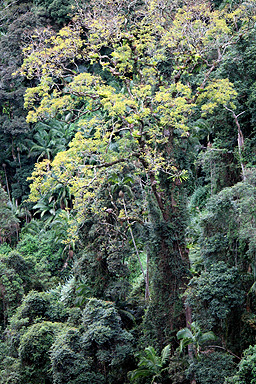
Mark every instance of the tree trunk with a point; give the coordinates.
(166, 313)
(240, 140)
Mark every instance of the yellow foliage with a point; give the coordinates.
(140, 113)
(218, 92)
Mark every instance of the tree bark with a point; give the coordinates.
(240, 139)
(166, 308)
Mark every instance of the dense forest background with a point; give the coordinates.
(127, 192)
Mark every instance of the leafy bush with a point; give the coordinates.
(246, 369)
(38, 306)
(57, 10)
(47, 257)
(97, 353)
(227, 225)
(34, 351)
(215, 293)
(10, 370)
(11, 291)
(69, 362)
(24, 268)
(9, 224)
(212, 368)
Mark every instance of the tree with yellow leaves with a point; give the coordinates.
(158, 68)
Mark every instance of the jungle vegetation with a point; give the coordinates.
(127, 192)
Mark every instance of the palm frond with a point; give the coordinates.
(165, 354)
(184, 333)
